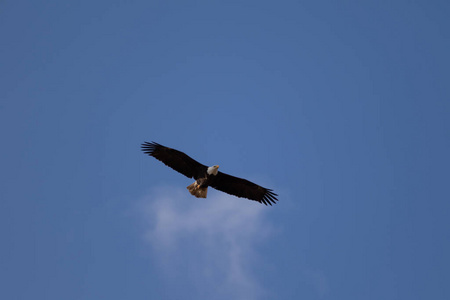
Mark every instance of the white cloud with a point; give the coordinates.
(213, 242)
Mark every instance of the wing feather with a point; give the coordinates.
(243, 188)
(174, 159)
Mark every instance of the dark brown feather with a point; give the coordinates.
(175, 159)
(242, 188)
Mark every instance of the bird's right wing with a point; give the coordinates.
(242, 188)
(175, 159)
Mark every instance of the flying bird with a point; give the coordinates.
(208, 176)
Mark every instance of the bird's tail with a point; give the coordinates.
(197, 191)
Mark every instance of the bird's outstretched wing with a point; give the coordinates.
(242, 188)
(175, 159)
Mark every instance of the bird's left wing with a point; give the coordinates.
(242, 188)
(175, 159)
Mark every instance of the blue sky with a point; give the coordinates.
(341, 107)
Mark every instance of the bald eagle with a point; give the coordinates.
(208, 176)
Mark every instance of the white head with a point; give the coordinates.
(213, 170)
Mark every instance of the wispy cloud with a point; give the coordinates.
(209, 242)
